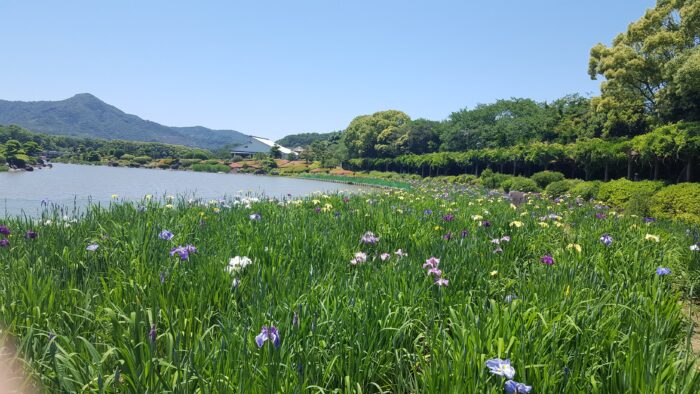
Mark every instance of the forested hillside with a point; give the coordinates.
(84, 115)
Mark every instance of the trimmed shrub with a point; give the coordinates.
(586, 190)
(466, 179)
(559, 188)
(493, 180)
(633, 197)
(520, 184)
(544, 178)
(618, 192)
(681, 202)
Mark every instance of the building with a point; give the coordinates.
(258, 145)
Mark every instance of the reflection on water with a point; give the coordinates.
(73, 185)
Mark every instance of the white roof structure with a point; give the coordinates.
(269, 143)
(258, 145)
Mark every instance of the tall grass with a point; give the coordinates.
(358, 180)
(600, 320)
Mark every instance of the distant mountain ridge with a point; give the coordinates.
(84, 115)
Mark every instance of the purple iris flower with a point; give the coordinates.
(661, 271)
(447, 236)
(317, 209)
(448, 217)
(255, 216)
(153, 334)
(513, 387)
(346, 200)
(464, 233)
(266, 333)
(500, 367)
(4, 230)
(183, 251)
(427, 212)
(435, 271)
(600, 215)
(485, 223)
(505, 238)
(607, 239)
(547, 259)
(4, 243)
(30, 234)
(92, 247)
(649, 220)
(166, 235)
(369, 238)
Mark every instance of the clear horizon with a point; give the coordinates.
(280, 68)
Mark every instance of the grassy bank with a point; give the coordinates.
(358, 180)
(535, 284)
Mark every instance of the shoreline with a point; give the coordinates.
(295, 176)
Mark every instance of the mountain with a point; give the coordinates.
(84, 115)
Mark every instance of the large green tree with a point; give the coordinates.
(375, 135)
(652, 71)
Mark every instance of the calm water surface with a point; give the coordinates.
(76, 185)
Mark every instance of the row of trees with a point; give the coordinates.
(669, 152)
(18, 145)
(644, 120)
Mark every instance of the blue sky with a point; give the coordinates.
(273, 68)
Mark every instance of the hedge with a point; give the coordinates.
(619, 192)
(681, 201)
(544, 178)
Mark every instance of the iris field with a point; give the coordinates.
(435, 289)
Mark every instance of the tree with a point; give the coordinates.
(418, 136)
(503, 123)
(651, 70)
(31, 148)
(374, 135)
(275, 152)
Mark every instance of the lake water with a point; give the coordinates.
(77, 185)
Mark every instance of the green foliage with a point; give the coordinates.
(650, 70)
(304, 140)
(493, 180)
(503, 123)
(544, 178)
(142, 159)
(631, 196)
(105, 321)
(585, 190)
(520, 184)
(681, 201)
(203, 167)
(375, 135)
(275, 152)
(562, 187)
